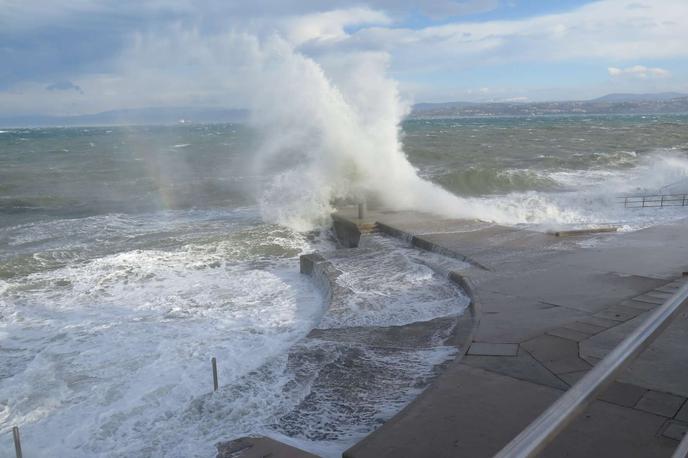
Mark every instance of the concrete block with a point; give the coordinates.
(568, 334)
(493, 349)
(623, 394)
(675, 430)
(659, 403)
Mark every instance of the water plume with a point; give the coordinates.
(342, 132)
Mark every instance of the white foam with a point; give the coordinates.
(341, 129)
(392, 285)
(593, 199)
(108, 356)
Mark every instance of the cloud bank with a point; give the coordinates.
(128, 54)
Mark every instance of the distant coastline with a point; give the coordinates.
(611, 104)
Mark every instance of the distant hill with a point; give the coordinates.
(661, 96)
(137, 116)
(666, 102)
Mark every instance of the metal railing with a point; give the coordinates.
(547, 426)
(657, 200)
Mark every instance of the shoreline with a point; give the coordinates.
(552, 307)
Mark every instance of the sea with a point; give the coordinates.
(131, 256)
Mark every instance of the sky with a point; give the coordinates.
(70, 57)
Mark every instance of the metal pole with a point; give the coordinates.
(362, 210)
(682, 449)
(213, 361)
(545, 428)
(17, 441)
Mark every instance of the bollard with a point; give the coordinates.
(214, 363)
(17, 441)
(362, 210)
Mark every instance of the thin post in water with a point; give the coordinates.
(362, 210)
(213, 361)
(17, 441)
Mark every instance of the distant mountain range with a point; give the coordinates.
(665, 102)
(138, 116)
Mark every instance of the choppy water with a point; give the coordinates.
(130, 256)
(557, 171)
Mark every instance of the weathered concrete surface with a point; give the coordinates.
(564, 302)
(471, 412)
(259, 447)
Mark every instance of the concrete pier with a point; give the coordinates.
(545, 309)
(551, 308)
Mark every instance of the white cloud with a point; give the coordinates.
(330, 26)
(600, 30)
(639, 71)
(187, 62)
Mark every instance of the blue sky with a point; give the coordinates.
(83, 56)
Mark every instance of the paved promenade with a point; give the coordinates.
(551, 307)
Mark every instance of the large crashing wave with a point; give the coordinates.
(341, 137)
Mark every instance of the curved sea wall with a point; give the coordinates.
(366, 361)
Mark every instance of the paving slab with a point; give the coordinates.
(649, 299)
(643, 306)
(474, 413)
(608, 430)
(663, 366)
(585, 327)
(508, 318)
(683, 413)
(556, 354)
(623, 394)
(664, 404)
(586, 290)
(618, 313)
(657, 252)
(569, 334)
(571, 378)
(597, 321)
(493, 349)
(523, 367)
(675, 430)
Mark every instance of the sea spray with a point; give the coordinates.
(340, 135)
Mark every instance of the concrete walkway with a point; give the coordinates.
(551, 308)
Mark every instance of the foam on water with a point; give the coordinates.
(106, 351)
(394, 285)
(102, 354)
(591, 197)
